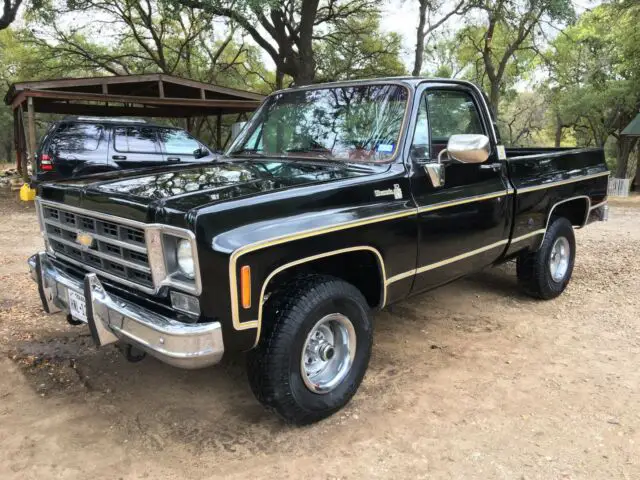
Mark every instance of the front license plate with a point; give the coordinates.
(77, 306)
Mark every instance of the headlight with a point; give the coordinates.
(184, 258)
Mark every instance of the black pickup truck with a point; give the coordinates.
(334, 201)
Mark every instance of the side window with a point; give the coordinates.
(443, 113)
(76, 137)
(135, 140)
(178, 142)
(452, 112)
(420, 145)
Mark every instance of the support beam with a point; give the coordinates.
(161, 88)
(219, 132)
(31, 118)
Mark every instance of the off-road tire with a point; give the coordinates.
(534, 275)
(274, 368)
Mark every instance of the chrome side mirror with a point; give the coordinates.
(469, 148)
(435, 172)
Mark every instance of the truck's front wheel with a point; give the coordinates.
(546, 272)
(314, 348)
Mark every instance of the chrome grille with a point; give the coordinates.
(118, 251)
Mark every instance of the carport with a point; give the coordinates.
(152, 95)
(633, 130)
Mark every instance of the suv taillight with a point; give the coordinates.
(45, 162)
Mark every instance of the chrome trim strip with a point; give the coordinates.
(258, 323)
(553, 154)
(561, 182)
(106, 256)
(476, 198)
(528, 235)
(597, 205)
(578, 197)
(91, 213)
(102, 273)
(462, 256)
(113, 241)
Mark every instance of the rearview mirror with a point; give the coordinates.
(469, 148)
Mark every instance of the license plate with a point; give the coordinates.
(77, 306)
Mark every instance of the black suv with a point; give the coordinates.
(82, 145)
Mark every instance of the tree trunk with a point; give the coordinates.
(494, 98)
(559, 129)
(419, 54)
(279, 79)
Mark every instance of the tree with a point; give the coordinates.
(595, 75)
(286, 29)
(356, 48)
(427, 25)
(510, 27)
(9, 12)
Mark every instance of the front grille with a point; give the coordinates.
(118, 251)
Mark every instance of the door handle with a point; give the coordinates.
(496, 167)
(119, 157)
(173, 159)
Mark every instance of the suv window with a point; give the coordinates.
(76, 137)
(136, 140)
(178, 142)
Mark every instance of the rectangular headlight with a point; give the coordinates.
(168, 250)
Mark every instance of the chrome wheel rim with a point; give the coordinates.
(559, 259)
(328, 353)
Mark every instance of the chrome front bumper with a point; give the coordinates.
(111, 319)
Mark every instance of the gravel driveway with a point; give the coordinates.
(473, 380)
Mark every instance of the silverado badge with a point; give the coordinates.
(396, 192)
(84, 239)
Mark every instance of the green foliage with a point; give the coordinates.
(356, 48)
(595, 77)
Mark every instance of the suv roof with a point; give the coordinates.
(94, 119)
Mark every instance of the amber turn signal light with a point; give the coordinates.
(245, 286)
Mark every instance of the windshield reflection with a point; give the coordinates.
(356, 124)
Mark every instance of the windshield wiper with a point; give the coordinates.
(318, 151)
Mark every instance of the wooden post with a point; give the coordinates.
(219, 132)
(32, 139)
(16, 139)
(161, 88)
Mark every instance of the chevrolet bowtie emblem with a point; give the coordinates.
(84, 239)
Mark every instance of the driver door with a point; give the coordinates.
(463, 224)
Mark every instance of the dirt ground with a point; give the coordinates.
(473, 380)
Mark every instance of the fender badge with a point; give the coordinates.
(84, 239)
(396, 192)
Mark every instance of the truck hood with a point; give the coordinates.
(149, 195)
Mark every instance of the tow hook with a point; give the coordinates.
(131, 353)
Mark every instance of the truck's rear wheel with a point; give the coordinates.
(546, 272)
(314, 349)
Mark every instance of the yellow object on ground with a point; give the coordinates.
(27, 194)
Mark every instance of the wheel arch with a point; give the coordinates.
(373, 288)
(575, 209)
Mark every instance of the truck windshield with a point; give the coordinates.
(355, 124)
